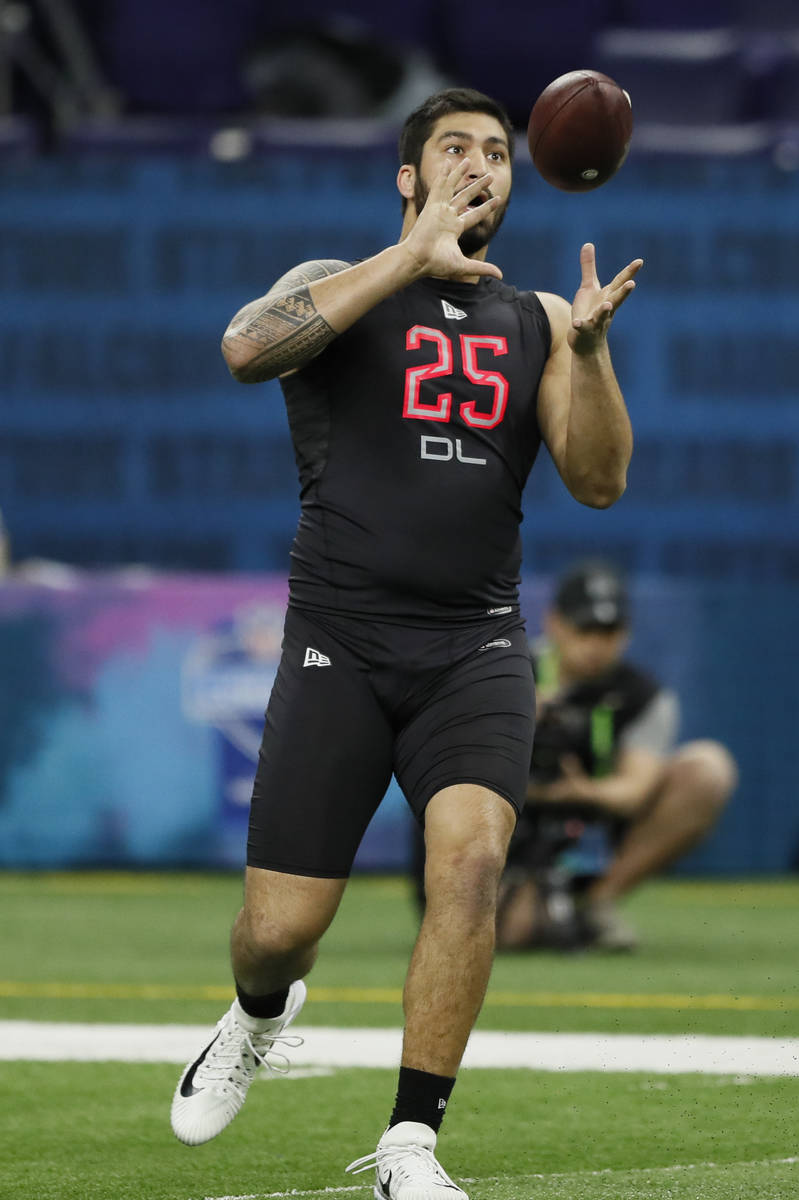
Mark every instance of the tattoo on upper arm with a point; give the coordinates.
(284, 325)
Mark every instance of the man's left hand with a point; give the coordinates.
(593, 306)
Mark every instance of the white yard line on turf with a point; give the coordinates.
(328, 1191)
(626, 1171)
(45, 1041)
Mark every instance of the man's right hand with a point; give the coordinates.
(433, 240)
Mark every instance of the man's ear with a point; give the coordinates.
(406, 180)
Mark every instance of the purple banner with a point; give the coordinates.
(132, 715)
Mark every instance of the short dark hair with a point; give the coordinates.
(419, 125)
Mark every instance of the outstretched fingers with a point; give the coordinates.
(472, 216)
(611, 296)
(588, 266)
(456, 203)
(448, 186)
(590, 280)
(449, 179)
(478, 267)
(629, 271)
(465, 195)
(625, 280)
(594, 306)
(618, 295)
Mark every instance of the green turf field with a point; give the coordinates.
(718, 958)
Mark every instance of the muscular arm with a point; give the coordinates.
(581, 410)
(308, 307)
(305, 310)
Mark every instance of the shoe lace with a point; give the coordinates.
(236, 1056)
(409, 1164)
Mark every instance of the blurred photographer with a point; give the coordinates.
(605, 773)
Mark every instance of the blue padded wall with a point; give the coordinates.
(123, 436)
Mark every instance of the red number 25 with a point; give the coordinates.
(441, 410)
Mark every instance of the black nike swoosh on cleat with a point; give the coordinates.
(385, 1184)
(186, 1088)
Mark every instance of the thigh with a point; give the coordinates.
(325, 759)
(474, 726)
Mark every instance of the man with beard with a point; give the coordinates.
(419, 387)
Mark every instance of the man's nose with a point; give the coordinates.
(477, 164)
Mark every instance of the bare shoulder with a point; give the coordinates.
(308, 272)
(559, 312)
(280, 332)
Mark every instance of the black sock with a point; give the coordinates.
(421, 1097)
(263, 1006)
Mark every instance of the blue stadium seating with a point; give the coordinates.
(707, 62)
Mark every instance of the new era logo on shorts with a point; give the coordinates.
(314, 658)
(498, 642)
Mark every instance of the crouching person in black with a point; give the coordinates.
(611, 801)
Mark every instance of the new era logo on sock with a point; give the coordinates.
(456, 314)
(313, 658)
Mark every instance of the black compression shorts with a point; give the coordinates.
(354, 700)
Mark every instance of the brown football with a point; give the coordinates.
(579, 130)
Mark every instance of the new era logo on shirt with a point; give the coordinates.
(313, 658)
(456, 314)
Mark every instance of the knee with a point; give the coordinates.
(269, 937)
(706, 772)
(465, 877)
(467, 831)
(283, 917)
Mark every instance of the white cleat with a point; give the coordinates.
(406, 1167)
(213, 1088)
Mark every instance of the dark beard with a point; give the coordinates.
(473, 239)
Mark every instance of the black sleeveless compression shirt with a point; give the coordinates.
(414, 433)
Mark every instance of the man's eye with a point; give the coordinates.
(455, 149)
